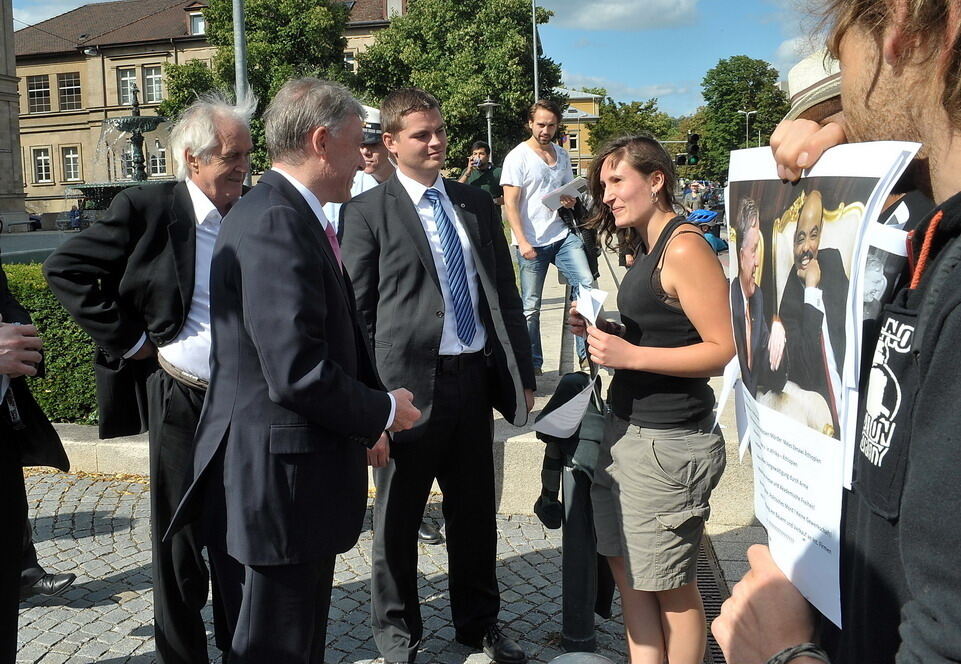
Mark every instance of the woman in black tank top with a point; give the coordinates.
(661, 456)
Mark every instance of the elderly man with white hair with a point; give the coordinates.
(138, 282)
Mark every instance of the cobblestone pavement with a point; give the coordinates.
(98, 528)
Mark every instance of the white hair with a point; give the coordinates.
(196, 128)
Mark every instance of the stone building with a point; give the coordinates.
(579, 116)
(77, 69)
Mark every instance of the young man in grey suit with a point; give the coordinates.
(435, 285)
(280, 470)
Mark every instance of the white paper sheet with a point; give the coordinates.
(590, 303)
(574, 188)
(563, 421)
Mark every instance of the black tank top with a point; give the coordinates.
(648, 399)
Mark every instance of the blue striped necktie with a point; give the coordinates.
(456, 273)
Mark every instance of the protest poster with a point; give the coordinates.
(797, 269)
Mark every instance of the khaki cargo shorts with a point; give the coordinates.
(650, 498)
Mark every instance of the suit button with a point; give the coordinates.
(439, 314)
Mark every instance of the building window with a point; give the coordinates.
(350, 61)
(70, 156)
(126, 79)
(69, 88)
(152, 85)
(158, 160)
(573, 141)
(198, 26)
(126, 163)
(576, 168)
(38, 94)
(42, 168)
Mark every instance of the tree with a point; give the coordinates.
(285, 39)
(745, 84)
(622, 119)
(461, 52)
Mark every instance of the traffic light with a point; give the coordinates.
(681, 159)
(693, 149)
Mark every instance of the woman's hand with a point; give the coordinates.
(610, 350)
(576, 322)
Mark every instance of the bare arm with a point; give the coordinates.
(512, 208)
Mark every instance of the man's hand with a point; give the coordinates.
(146, 351)
(379, 454)
(568, 201)
(609, 350)
(405, 413)
(529, 398)
(764, 615)
(525, 249)
(798, 144)
(811, 275)
(19, 350)
(775, 344)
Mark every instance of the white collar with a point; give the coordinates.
(312, 201)
(416, 190)
(203, 206)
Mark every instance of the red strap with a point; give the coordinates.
(926, 248)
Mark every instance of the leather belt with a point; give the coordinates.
(451, 364)
(182, 376)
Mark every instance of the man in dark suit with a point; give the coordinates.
(751, 333)
(138, 282)
(27, 439)
(435, 285)
(294, 402)
(812, 309)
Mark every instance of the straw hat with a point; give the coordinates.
(815, 79)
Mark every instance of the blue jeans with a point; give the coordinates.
(571, 260)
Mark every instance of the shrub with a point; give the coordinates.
(67, 393)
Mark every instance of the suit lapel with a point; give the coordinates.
(181, 229)
(468, 219)
(279, 182)
(400, 207)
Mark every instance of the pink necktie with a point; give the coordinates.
(334, 244)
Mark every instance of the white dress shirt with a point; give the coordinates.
(450, 343)
(190, 350)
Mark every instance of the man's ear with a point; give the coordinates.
(193, 162)
(897, 42)
(318, 139)
(388, 139)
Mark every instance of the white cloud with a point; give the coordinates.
(793, 50)
(627, 93)
(621, 14)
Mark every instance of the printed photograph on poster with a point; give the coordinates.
(794, 258)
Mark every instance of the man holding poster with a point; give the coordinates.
(901, 590)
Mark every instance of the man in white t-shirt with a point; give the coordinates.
(540, 237)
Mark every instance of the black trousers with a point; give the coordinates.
(279, 612)
(180, 576)
(457, 450)
(13, 519)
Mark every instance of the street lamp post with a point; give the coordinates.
(534, 42)
(488, 106)
(747, 136)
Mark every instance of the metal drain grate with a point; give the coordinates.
(710, 582)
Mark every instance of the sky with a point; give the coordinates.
(636, 49)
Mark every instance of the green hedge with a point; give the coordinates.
(67, 393)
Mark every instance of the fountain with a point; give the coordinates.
(98, 195)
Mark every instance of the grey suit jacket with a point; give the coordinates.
(399, 296)
(280, 464)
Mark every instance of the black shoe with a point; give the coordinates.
(428, 534)
(48, 584)
(498, 646)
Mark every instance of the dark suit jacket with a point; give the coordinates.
(129, 273)
(293, 396)
(759, 375)
(399, 296)
(802, 324)
(37, 441)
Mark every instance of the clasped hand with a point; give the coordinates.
(604, 343)
(19, 349)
